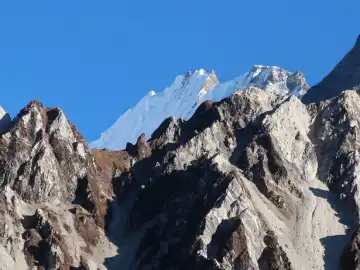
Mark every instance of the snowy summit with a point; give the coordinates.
(186, 93)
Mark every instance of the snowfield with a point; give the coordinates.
(187, 92)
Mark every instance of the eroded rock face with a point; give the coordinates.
(244, 184)
(256, 181)
(40, 150)
(54, 196)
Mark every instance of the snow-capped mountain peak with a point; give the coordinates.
(186, 93)
(276, 79)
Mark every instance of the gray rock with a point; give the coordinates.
(256, 181)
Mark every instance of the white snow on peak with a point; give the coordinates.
(186, 93)
(152, 93)
(202, 72)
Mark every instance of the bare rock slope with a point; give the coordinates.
(244, 184)
(258, 180)
(53, 196)
(255, 181)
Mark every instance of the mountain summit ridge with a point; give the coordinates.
(257, 180)
(186, 93)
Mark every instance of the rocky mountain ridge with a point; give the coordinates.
(258, 180)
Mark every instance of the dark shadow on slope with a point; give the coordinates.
(111, 262)
(28, 221)
(125, 187)
(218, 245)
(244, 136)
(335, 244)
(273, 256)
(161, 190)
(81, 267)
(5, 123)
(109, 216)
(182, 197)
(41, 253)
(326, 149)
(341, 208)
(82, 195)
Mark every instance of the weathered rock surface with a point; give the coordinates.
(256, 181)
(46, 172)
(241, 185)
(244, 184)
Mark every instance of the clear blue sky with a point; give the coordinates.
(95, 59)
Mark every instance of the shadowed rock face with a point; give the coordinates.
(5, 120)
(244, 184)
(46, 172)
(345, 76)
(256, 181)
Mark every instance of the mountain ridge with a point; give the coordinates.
(257, 180)
(186, 93)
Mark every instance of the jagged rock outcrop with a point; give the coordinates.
(41, 149)
(258, 180)
(242, 185)
(47, 170)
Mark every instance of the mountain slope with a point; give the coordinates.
(258, 180)
(345, 76)
(53, 196)
(186, 93)
(244, 184)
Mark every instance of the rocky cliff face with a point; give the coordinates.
(53, 195)
(258, 180)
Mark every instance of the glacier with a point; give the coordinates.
(186, 93)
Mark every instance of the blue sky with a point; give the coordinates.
(95, 59)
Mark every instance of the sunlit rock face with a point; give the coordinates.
(250, 182)
(258, 179)
(53, 194)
